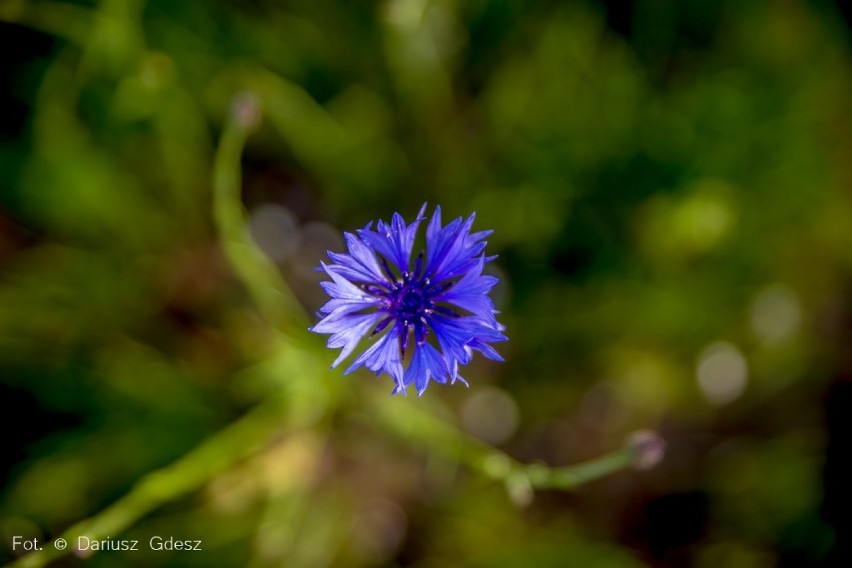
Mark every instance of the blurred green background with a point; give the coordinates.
(670, 188)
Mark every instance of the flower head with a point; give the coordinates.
(434, 307)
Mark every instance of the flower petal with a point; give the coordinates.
(349, 337)
(383, 355)
(426, 363)
(341, 288)
(471, 293)
(360, 264)
(452, 336)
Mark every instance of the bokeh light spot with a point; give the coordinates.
(722, 373)
(275, 230)
(775, 314)
(490, 414)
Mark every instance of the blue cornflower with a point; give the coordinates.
(440, 300)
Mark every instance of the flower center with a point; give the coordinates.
(407, 300)
(411, 302)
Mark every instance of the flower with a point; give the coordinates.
(440, 300)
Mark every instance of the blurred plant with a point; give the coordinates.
(296, 407)
(669, 193)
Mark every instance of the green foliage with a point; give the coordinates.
(656, 196)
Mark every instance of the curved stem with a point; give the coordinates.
(238, 441)
(260, 276)
(295, 408)
(412, 422)
(245, 436)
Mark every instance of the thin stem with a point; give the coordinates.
(238, 441)
(300, 404)
(411, 421)
(570, 477)
(259, 275)
(250, 433)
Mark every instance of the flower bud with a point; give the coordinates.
(245, 110)
(648, 448)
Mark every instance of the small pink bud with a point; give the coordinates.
(245, 110)
(648, 449)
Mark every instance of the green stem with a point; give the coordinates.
(301, 403)
(570, 477)
(237, 442)
(260, 276)
(412, 422)
(245, 436)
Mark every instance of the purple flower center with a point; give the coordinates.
(410, 303)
